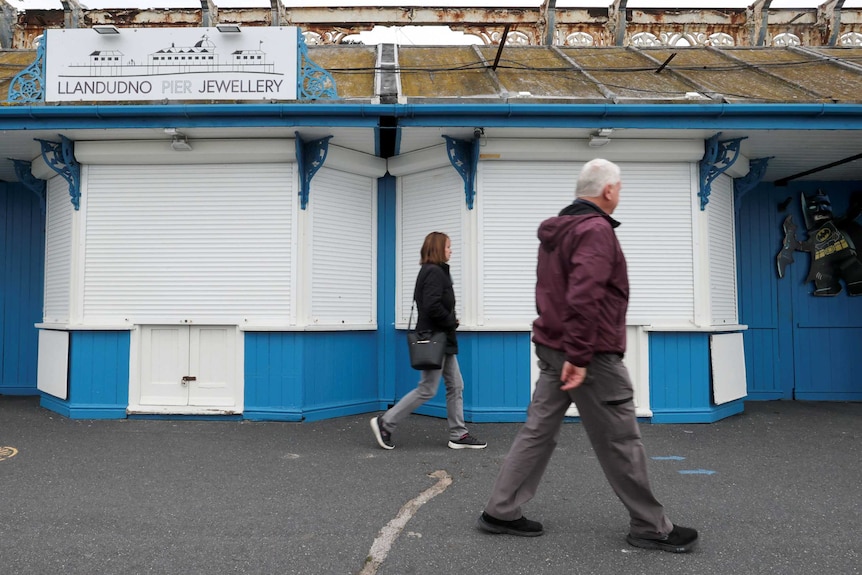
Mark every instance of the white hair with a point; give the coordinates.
(594, 176)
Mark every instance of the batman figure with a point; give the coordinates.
(831, 243)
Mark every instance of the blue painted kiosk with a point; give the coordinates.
(253, 255)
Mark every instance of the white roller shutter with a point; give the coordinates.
(198, 243)
(656, 236)
(341, 210)
(513, 199)
(721, 252)
(430, 201)
(58, 252)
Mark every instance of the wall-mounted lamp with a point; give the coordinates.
(106, 29)
(228, 28)
(601, 137)
(180, 143)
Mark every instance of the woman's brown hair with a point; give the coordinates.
(434, 248)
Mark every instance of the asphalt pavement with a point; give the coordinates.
(776, 489)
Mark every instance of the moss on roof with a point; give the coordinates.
(581, 75)
(351, 66)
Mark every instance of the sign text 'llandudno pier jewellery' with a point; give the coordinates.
(174, 64)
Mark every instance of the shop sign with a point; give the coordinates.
(172, 64)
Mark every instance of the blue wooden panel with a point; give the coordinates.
(340, 375)
(783, 354)
(764, 300)
(679, 375)
(827, 330)
(758, 242)
(273, 376)
(496, 371)
(761, 351)
(387, 336)
(498, 366)
(98, 374)
(22, 261)
(832, 379)
(310, 375)
(816, 337)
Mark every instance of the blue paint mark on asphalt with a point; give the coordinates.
(697, 471)
(669, 458)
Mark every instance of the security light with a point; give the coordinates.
(180, 143)
(228, 28)
(106, 29)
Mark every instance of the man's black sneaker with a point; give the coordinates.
(522, 527)
(679, 540)
(467, 441)
(383, 437)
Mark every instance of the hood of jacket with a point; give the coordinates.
(552, 230)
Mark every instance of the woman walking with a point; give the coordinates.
(435, 302)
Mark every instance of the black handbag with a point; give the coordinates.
(427, 348)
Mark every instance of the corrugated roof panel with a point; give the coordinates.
(351, 66)
(723, 71)
(628, 74)
(444, 72)
(830, 81)
(542, 72)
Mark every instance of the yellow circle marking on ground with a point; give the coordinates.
(7, 452)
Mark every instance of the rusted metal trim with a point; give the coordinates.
(548, 21)
(665, 63)
(829, 20)
(619, 8)
(500, 49)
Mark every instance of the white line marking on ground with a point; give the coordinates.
(387, 536)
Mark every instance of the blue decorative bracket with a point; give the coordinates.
(309, 157)
(312, 80)
(743, 185)
(464, 155)
(28, 85)
(716, 160)
(32, 183)
(61, 158)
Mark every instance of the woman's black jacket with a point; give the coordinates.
(435, 303)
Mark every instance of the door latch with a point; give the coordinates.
(188, 378)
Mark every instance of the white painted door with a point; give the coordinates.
(188, 369)
(212, 362)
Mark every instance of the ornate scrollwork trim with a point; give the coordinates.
(31, 182)
(28, 85)
(716, 160)
(313, 82)
(464, 156)
(746, 183)
(60, 157)
(310, 157)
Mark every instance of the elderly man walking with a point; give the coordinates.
(582, 294)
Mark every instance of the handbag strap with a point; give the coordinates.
(419, 279)
(410, 321)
